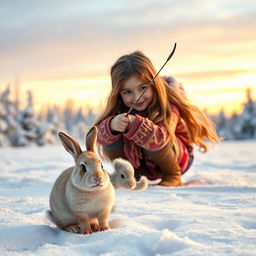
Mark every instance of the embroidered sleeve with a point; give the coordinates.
(105, 135)
(147, 135)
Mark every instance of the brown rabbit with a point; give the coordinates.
(82, 197)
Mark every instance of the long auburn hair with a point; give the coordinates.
(159, 110)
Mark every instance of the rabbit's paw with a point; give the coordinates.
(74, 228)
(95, 227)
(87, 231)
(104, 227)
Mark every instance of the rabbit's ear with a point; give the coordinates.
(91, 137)
(70, 144)
(116, 165)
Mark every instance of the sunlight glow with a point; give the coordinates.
(66, 53)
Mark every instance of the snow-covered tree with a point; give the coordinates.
(248, 118)
(50, 127)
(81, 123)
(241, 126)
(8, 121)
(28, 130)
(90, 117)
(223, 126)
(68, 114)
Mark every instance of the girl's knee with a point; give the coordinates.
(118, 145)
(114, 150)
(165, 148)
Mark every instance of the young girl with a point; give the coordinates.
(157, 137)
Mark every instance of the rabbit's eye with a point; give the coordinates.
(83, 168)
(122, 176)
(101, 165)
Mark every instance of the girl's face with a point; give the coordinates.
(131, 91)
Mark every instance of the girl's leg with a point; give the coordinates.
(168, 164)
(114, 154)
(114, 150)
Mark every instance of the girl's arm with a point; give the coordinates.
(105, 135)
(149, 135)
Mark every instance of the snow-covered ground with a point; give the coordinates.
(213, 214)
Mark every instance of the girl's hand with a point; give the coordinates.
(131, 122)
(120, 123)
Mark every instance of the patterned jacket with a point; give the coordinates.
(144, 134)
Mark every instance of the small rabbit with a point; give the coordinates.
(82, 197)
(123, 176)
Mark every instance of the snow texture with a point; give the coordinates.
(212, 214)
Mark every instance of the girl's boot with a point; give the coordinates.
(168, 164)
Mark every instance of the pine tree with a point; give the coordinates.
(50, 127)
(248, 128)
(28, 131)
(7, 118)
(223, 126)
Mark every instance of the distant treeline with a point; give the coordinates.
(24, 127)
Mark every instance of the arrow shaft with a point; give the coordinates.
(151, 82)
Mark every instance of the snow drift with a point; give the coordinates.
(212, 214)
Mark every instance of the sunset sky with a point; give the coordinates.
(64, 49)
